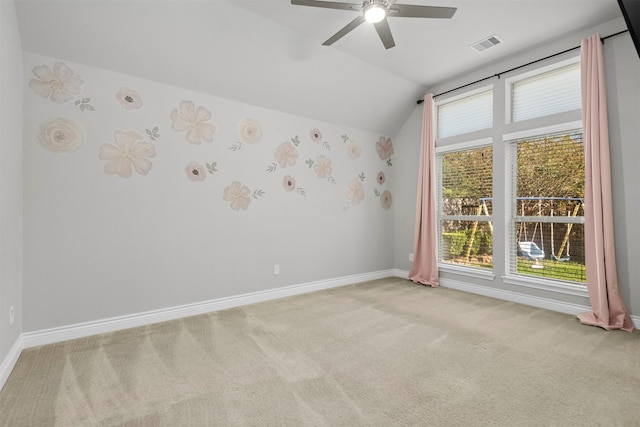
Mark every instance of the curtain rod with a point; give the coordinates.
(602, 39)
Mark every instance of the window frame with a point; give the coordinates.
(534, 282)
(499, 133)
(476, 272)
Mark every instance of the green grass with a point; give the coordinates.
(567, 270)
(553, 270)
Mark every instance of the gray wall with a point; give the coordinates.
(623, 84)
(98, 246)
(10, 178)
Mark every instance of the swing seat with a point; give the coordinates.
(562, 259)
(531, 250)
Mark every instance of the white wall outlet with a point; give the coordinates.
(12, 315)
(276, 269)
(411, 257)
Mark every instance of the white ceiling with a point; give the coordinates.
(268, 52)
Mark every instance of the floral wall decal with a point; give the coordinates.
(285, 155)
(355, 191)
(129, 152)
(60, 85)
(384, 147)
(249, 130)
(386, 199)
(316, 136)
(353, 149)
(83, 104)
(380, 178)
(153, 133)
(62, 135)
(289, 183)
(194, 121)
(322, 168)
(238, 195)
(129, 99)
(195, 171)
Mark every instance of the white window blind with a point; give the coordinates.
(547, 204)
(552, 92)
(465, 180)
(468, 114)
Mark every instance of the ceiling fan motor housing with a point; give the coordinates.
(375, 10)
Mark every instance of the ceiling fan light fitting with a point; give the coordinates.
(374, 13)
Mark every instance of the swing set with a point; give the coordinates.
(528, 247)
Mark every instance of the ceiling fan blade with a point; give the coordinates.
(384, 32)
(348, 28)
(413, 11)
(327, 4)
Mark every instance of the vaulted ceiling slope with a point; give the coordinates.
(268, 52)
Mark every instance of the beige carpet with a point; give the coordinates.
(382, 353)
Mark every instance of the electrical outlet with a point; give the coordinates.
(12, 315)
(276, 269)
(411, 257)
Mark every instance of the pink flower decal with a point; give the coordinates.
(286, 154)
(322, 167)
(128, 153)
(195, 171)
(353, 149)
(194, 121)
(129, 99)
(316, 135)
(386, 199)
(380, 178)
(62, 135)
(355, 191)
(60, 85)
(238, 195)
(249, 130)
(289, 183)
(384, 147)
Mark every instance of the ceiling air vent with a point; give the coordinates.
(487, 42)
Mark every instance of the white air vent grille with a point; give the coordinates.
(487, 42)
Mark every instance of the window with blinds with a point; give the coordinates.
(467, 114)
(545, 93)
(547, 207)
(465, 180)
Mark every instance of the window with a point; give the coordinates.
(547, 207)
(470, 112)
(465, 182)
(538, 212)
(544, 92)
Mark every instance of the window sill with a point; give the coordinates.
(567, 288)
(467, 271)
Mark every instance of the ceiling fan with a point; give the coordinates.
(376, 12)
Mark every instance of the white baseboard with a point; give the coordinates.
(10, 361)
(534, 301)
(80, 330)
